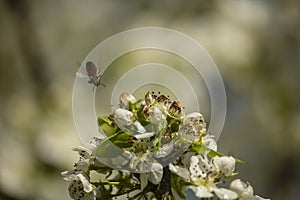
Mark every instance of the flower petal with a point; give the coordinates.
(83, 152)
(194, 168)
(182, 172)
(225, 164)
(198, 191)
(69, 175)
(144, 135)
(256, 197)
(223, 193)
(123, 117)
(209, 141)
(87, 187)
(156, 115)
(165, 150)
(242, 189)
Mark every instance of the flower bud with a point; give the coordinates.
(225, 164)
(124, 99)
(244, 190)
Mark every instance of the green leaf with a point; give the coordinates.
(122, 140)
(141, 117)
(106, 125)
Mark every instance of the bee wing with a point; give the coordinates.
(81, 75)
(91, 69)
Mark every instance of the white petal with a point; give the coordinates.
(123, 117)
(82, 165)
(198, 191)
(194, 117)
(256, 197)
(155, 176)
(210, 142)
(242, 189)
(134, 128)
(87, 187)
(144, 135)
(69, 175)
(223, 193)
(155, 115)
(138, 127)
(194, 168)
(165, 150)
(188, 132)
(83, 152)
(182, 172)
(225, 164)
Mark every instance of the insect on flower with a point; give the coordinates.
(93, 73)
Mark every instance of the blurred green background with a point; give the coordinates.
(256, 45)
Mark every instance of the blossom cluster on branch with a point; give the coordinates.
(153, 150)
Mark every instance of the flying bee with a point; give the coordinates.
(93, 73)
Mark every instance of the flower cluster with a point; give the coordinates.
(153, 150)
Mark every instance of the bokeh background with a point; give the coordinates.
(256, 45)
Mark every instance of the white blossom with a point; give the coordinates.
(203, 174)
(80, 188)
(244, 190)
(224, 164)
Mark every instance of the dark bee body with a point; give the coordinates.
(94, 74)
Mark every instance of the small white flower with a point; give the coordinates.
(224, 164)
(80, 187)
(123, 117)
(244, 190)
(125, 98)
(204, 175)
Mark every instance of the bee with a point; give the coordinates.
(94, 74)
